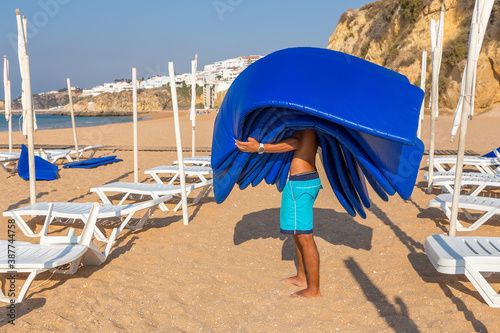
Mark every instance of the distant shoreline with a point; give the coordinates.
(97, 113)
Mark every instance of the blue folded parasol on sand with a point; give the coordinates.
(365, 116)
(44, 170)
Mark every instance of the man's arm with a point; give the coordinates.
(288, 144)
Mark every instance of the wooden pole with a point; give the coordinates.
(134, 103)
(8, 111)
(437, 48)
(73, 119)
(468, 91)
(10, 117)
(30, 129)
(422, 86)
(434, 106)
(177, 126)
(193, 102)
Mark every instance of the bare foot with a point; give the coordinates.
(295, 281)
(307, 293)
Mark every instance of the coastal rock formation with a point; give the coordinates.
(393, 33)
(112, 103)
(147, 100)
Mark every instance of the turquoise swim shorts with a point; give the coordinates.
(297, 200)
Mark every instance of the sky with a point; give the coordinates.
(93, 42)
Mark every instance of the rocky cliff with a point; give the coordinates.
(147, 100)
(158, 99)
(393, 33)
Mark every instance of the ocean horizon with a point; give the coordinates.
(51, 121)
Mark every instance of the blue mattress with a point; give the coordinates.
(93, 162)
(365, 116)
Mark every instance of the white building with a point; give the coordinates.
(219, 76)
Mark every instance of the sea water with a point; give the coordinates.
(51, 121)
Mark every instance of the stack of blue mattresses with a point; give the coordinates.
(365, 116)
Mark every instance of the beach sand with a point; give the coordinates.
(222, 272)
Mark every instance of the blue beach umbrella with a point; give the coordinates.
(365, 116)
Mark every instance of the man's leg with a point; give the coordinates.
(310, 254)
(300, 279)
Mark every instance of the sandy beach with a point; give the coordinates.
(222, 272)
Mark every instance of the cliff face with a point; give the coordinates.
(393, 33)
(147, 100)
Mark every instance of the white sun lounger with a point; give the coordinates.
(478, 181)
(190, 171)
(52, 155)
(152, 190)
(488, 206)
(80, 211)
(50, 254)
(470, 256)
(6, 154)
(204, 161)
(9, 163)
(92, 149)
(482, 164)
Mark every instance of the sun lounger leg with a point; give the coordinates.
(124, 198)
(24, 226)
(482, 286)
(111, 241)
(143, 219)
(156, 178)
(204, 191)
(73, 267)
(102, 196)
(173, 178)
(486, 216)
(475, 191)
(97, 233)
(162, 205)
(24, 289)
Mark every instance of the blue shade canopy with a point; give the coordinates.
(44, 170)
(365, 116)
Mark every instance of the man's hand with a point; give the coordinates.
(251, 146)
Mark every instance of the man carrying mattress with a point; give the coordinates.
(299, 194)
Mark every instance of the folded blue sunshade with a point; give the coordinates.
(93, 162)
(44, 170)
(365, 116)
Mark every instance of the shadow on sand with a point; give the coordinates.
(334, 227)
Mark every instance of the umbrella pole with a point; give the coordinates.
(10, 132)
(134, 107)
(182, 174)
(471, 64)
(73, 119)
(434, 106)
(7, 105)
(30, 130)
(193, 102)
(422, 86)
(9, 101)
